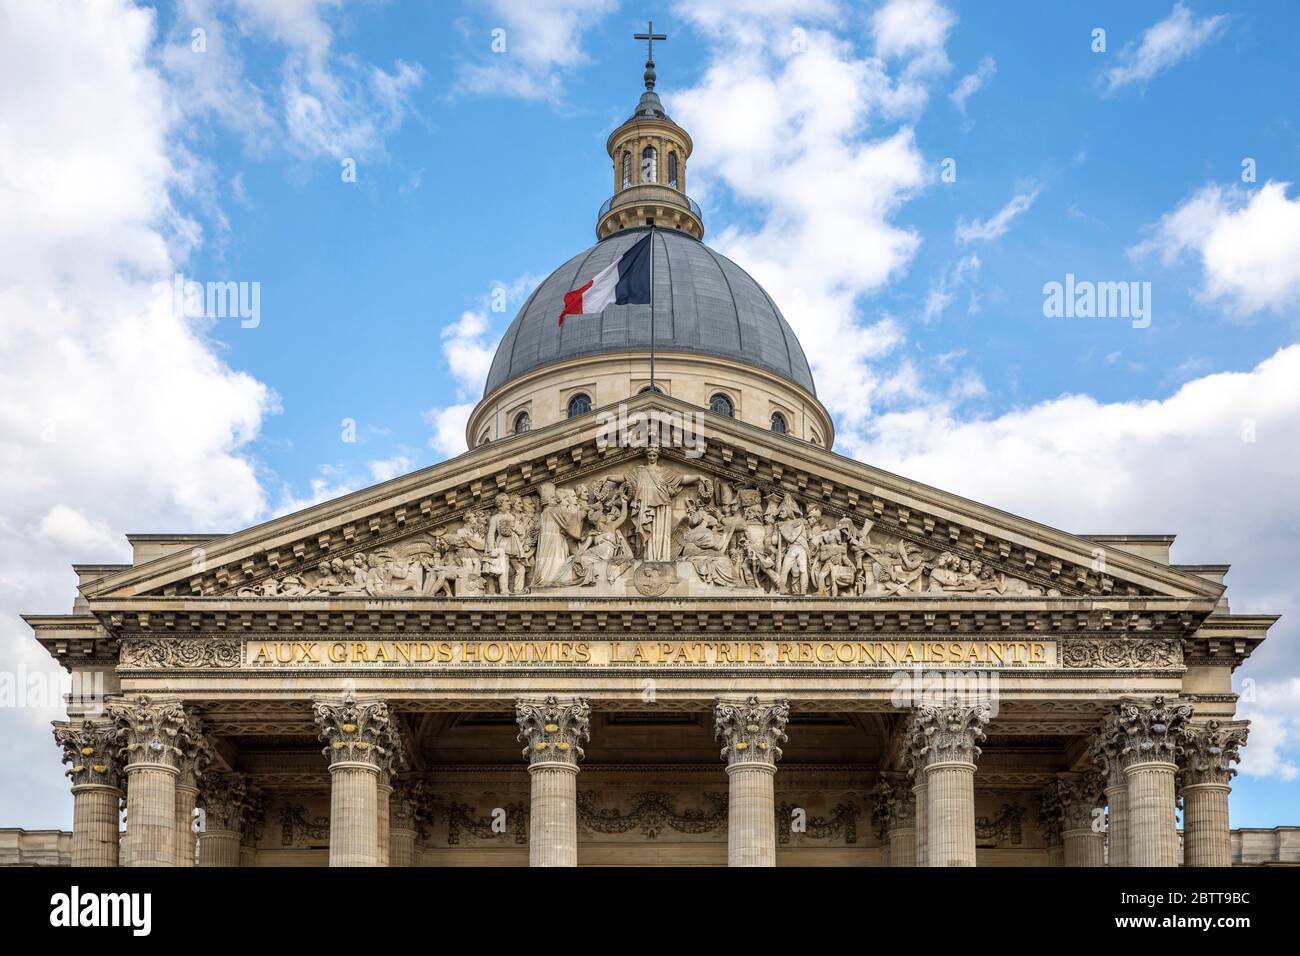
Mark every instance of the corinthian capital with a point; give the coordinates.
(93, 748)
(154, 730)
(751, 732)
(1147, 730)
(1210, 750)
(408, 806)
(893, 803)
(552, 730)
(358, 732)
(948, 733)
(196, 751)
(225, 801)
(1077, 796)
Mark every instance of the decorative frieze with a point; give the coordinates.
(1147, 653)
(171, 653)
(1209, 750)
(651, 813)
(1005, 827)
(553, 730)
(464, 821)
(92, 749)
(751, 731)
(840, 825)
(358, 732)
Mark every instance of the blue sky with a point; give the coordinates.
(821, 132)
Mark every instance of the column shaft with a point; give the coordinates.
(1117, 832)
(383, 795)
(1083, 848)
(751, 815)
(150, 838)
(186, 798)
(902, 846)
(94, 825)
(354, 815)
(401, 846)
(951, 816)
(553, 815)
(1207, 840)
(219, 848)
(921, 851)
(1152, 826)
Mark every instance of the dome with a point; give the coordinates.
(704, 304)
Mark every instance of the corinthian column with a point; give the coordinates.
(196, 754)
(1209, 751)
(1105, 751)
(552, 731)
(751, 733)
(951, 734)
(155, 743)
(92, 748)
(1049, 822)
(407, 807)
(225, 801)
(914, 750)
(895, 812)
(1148, 733)
(1083, 837)
(360, 744)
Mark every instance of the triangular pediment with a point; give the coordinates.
(728, 509)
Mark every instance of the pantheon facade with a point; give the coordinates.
(651, 617)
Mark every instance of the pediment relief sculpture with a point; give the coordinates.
(650, 528)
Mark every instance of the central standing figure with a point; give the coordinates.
(651, 488)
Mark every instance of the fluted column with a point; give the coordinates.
(384, 794)
(1208, 753)
(1082, 835)
(407, 807)
(196, 754)
(1147, 736)
(1049, 823)
(361, 743)
(1105, 751)
(914, 750)
(553, 731)
(155, 742)
(224, 798)
(250, 833)
(951, 734)
(895, 811)
(92, 749)
(751, 733)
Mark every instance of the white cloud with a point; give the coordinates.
(468, 347)
(386, 469)
(773, 125)
(448, 423)
(114, 414)
(980, 230)
(972, 83)
(1163, 45)
(942, 293)
(328, 104)
(543, 43)
(1273, 748)
(1248, 244)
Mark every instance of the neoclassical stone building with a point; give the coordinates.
(651, 617)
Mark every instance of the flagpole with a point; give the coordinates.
(652, 306)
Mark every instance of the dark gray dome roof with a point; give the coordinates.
(704, 303)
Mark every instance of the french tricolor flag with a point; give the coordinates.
(626, 281)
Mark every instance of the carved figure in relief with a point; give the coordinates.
(651, 488)
(559, 526)
(507, 546)
(794, 543)
(605, 552)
